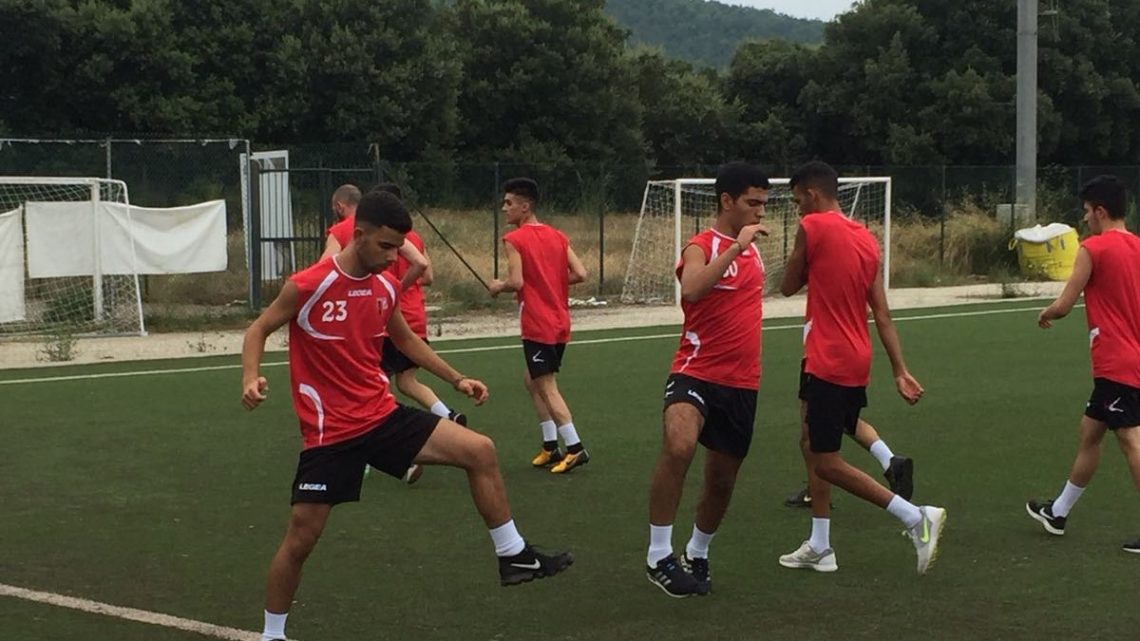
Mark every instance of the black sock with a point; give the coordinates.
(575, 448)
(550, 446)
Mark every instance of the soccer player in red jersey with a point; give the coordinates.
(838, 259)
(541, 268)
(413, 268)
(1107, 270)
(348, 418)
(710, 395)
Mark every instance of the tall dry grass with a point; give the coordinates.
(974, 247)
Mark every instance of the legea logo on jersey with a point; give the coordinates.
(313, 487)
(358, 293)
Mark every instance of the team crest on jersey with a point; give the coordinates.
(383, 304)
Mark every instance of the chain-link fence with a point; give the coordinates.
(944, 216)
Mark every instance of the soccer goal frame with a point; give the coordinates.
(118, 312)
(679, 215)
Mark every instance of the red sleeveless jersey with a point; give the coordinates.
(720, 341)
(842, 262)
(342, 230)
(339, 391)
(412, 298)
(544, 307)
(1112, 304)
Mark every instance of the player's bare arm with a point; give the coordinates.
(514, 281)
(422, 355)
(574, 264)
(1060, 308)
(909, 388)
(417, 264)
(332, 247)
(428, 277)
(254, 387)
(698, 277)
(795, 271)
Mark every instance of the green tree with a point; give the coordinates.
(686, 118)
(545, 81)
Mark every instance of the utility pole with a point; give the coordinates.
(1026, 177)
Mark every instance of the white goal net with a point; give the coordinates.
(65, 267)
(672, 211)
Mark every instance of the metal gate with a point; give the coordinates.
(290, 213)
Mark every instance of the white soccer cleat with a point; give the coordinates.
(807, 558)
(926, 536)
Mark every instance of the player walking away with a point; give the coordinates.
(838, 260)
(710, 395)
(1107, 270)
(541, 268)
(348, 417)
(897, 470)
(413, 268)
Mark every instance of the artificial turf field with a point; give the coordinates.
(157, 491)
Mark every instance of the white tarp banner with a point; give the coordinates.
(62, 237)
(11, 267)
(174, 240)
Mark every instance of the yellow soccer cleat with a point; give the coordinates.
(571, 461)
(546, 458)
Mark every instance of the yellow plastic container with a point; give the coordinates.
(1049, 255)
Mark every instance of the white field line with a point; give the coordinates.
(486, 348)
(131, 614)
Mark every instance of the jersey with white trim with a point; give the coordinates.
(339, 391)
(721, 341)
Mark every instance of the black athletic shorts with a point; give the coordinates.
(729, 412)
(334, 473)
(543, 358)
(831, 410)
(392, 360)
(1114, 404)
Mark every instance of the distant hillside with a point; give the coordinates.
(706, 32)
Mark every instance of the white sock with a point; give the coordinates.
(698, 547)
(882, 453)
(820, 534)
(904, 511)
(569, 434)
(274, 626)
(660, 543)
(508, 541)
(439, 409)
(1063, 503)
(549, 431)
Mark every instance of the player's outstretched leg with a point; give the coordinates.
(454, 445)
(720, 480)
(897, 470)
(1054, 514)
(306, 523)
(924, 524)
(682, 426)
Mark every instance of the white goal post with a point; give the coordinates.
(672, 211)
(67, 258)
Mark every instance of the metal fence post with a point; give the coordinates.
(495, 222)
(254, 234)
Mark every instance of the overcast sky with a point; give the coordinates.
(818, 9)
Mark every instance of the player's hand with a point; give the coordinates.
(472, 388)
(909, 388)
(254, 392)
(1045, 319)
(496, 287)
(748, 233)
